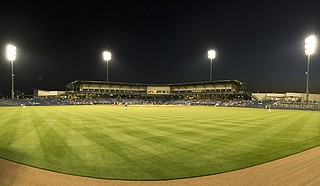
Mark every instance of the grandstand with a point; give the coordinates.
(225, 93)
(223, 89)
(288, 96)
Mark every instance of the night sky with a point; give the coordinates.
(258, 42)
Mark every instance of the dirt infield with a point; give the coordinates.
(298, 169)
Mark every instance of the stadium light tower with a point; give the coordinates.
(211, 56)
(107, 57)
(310, 46)
(11, 55)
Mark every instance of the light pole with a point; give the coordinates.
(11, 55)
(310, 46)
(107, 57)
(211, 56)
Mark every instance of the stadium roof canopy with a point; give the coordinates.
(80, 82)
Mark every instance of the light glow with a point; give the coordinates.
(310, 45)
(106, 56)
(11, 52)
(211, 54)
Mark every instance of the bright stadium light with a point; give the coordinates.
(11, 55)
(310, 47)
(11, 52)
(107, 57)
(211, 56)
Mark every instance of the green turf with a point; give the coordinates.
(152, 143)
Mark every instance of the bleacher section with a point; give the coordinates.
(147, 101)
(8, 102)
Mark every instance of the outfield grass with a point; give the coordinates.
(152, 143)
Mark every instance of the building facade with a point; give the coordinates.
(289, 96)
(223, 89)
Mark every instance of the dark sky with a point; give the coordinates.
(258, 42)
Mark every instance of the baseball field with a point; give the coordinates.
(152, 142)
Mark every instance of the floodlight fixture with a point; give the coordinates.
(310, 45)
(211, 54)
(11, 52)
(107, 57)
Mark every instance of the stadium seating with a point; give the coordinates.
(157, 101)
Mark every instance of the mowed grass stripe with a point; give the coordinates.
(253, 150)
(151, 143)
(309, 127)
(8, 130)
(101, 138)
